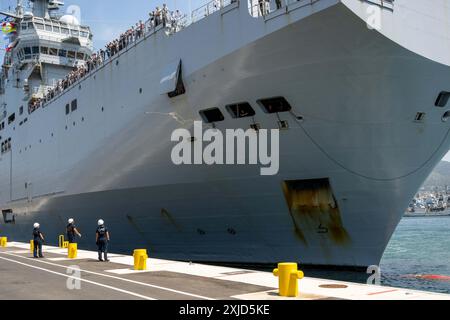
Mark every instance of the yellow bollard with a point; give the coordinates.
(288, 275)
(32, 246)
(66, 244)
(3, 241)
(61, 241)
(140, 259)
(72, 250)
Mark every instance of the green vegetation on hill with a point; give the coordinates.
(440, 176)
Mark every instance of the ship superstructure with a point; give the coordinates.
(360, 90)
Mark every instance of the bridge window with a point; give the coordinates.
(39, 26)
(35, 50)
(75, 33)
(275, 105)
(53, 51)
(84, 34)
(71, 54)
(30, 25)
(64, 31)
(44, 50)
(27, 50)
(241, 110)
(212, 115)
(56, 29)
(62, 53)
(80, 55)
(48, 28)
(24, 26)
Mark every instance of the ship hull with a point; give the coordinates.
(352, 130)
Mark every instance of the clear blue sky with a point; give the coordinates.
(108, 18)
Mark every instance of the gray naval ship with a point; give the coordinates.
(360, 90)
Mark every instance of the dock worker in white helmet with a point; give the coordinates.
(102, 239)
(72, 231)
(38, 239)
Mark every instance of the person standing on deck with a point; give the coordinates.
(72, 231)
(38, 238)
(102, 239)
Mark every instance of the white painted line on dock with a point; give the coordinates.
(127, 271)
(80, 279)
(20, 251)
(65, 259)
(119, 278)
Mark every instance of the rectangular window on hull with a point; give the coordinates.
(275, 105)
(212, 115)
(11, 118)
(241, 110)
(74, 105)
(8, 216)
(442, 99)
(67, 108)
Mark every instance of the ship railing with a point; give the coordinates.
(209, 8)
(388, 4)
(263, 8)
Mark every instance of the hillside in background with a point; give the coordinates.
(440, 176)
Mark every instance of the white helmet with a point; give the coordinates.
(70, 220)
(101, 222)
(36, 225)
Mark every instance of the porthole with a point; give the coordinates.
(446, 116)
(117, 62)
(140, 90)
(231, 231)
(201, 232)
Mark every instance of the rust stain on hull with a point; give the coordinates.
(314, 210)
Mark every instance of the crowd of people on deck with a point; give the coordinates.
(172, 20)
